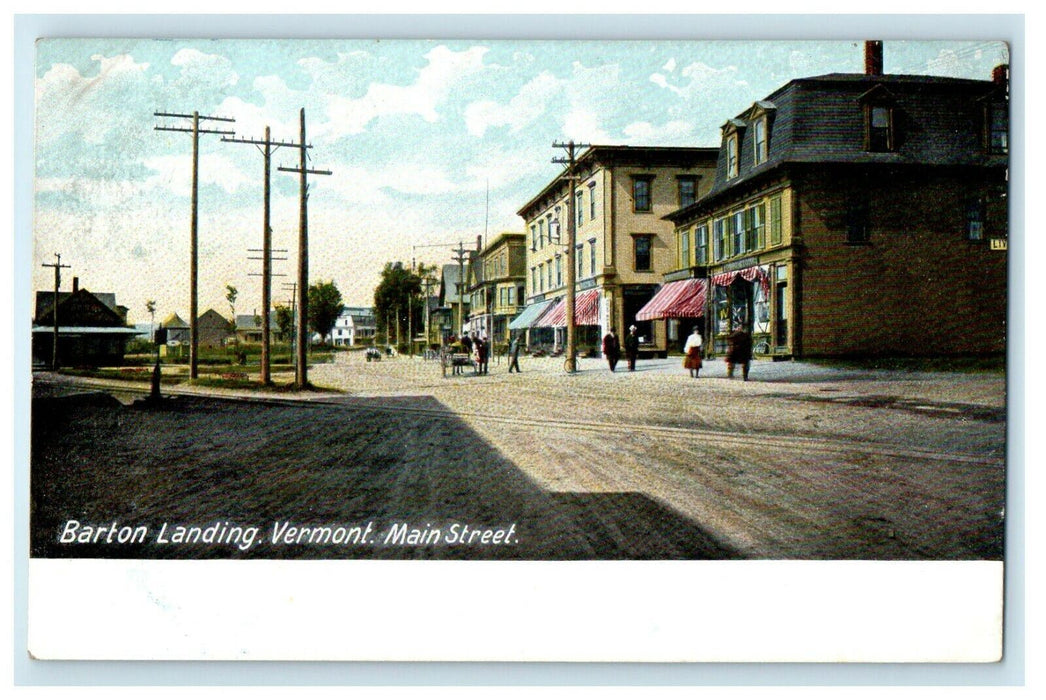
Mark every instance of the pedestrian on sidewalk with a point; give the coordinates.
(513, 354)
(483, 354)
(738, 352)
(692, 350)
(631, 348)
(611, 349)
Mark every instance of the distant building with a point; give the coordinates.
(213, 330)
(92, 328)
(450, 316)
(497, 286)
(249, 328)
(854, 214)
(177, 330)
(355, 326)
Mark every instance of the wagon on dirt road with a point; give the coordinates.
(455, 361)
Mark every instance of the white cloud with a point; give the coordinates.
(174, 173)
(699, 76)
(101, 193)
(583, 125)
(672, 133)
(670, 65)
(445, 67)
(529, 104)
(204, 71)
(92, 107)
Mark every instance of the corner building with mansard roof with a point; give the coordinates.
(855, 215)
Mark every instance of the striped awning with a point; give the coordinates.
(586, 311)
(530, 314)
(679, 299)
(725, 279)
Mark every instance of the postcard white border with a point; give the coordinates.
(664, 611)
(913, 27)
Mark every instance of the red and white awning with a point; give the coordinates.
(724, 279)
(586, 311)
(679, 299)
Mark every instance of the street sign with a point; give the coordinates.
(997, 243)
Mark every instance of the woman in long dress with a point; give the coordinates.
(692, 350)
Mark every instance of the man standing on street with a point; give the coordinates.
(514, 355)
(611, 349)
(739, 352)
(631, 348)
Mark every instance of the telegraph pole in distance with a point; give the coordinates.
(266, 146)
(57, 265)
(570, 146)
(459, 258)
(301, 377)
(195, 131)
(294, 320)
(427, 283)
(266, 274)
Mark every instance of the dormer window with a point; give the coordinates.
(731, 155)
(880, 133)
(732, 131)
(759, 140)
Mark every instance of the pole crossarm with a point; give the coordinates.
(263, 142)
(310, 171)
(193, 131)
(194, 116)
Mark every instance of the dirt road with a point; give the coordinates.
(801, 463)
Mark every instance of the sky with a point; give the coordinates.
(430, 143)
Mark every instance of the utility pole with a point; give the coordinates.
(428, 283)
(57, 265)
(294, 319)
(459, 258)
(266, 147)
(195, 131)
(571, 178)
(301, 376)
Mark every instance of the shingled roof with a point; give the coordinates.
(820, 120)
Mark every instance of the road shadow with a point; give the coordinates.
(388, 478)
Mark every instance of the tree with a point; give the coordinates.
(399, 296)
(324, 307)
(284, 320)
(230, 296)
(150, 307)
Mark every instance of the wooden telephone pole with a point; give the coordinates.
(301, 377)
(569, 161)
(266, 146)
(57, 265)
(459, 258)
(195, 131)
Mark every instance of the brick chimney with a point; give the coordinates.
(873, 58)
(1001, 74)
(479, 242)
(76, 285)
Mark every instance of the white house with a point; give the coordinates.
(355, 326)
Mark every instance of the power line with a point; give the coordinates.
(57, 265)
(301, 379)
(193, 243)
(266, 147)
(570, 161)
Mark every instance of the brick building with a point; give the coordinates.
(856, 215)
